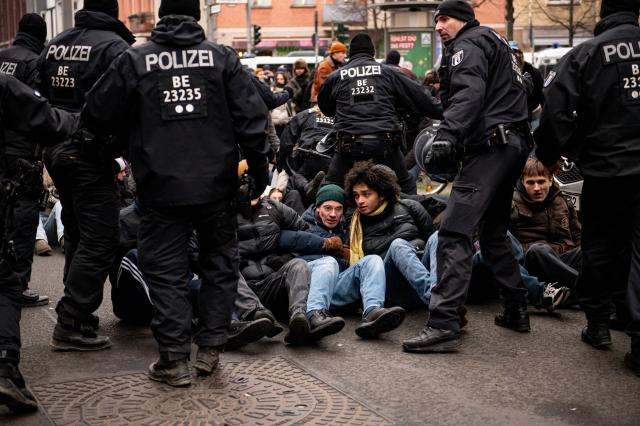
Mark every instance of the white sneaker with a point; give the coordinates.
(554, 296)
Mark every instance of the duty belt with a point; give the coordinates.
(346, 141)
(500, 133)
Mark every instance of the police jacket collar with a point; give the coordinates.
(28, 41)
(178, 30)
(614, 20)
(93, 20)
(470, 24)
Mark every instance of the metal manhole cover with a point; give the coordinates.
(256, 392)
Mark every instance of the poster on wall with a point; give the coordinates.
(416, 49)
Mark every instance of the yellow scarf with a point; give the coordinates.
(355, 234)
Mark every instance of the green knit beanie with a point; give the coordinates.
(329, 193)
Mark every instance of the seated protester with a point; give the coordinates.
(280, 281)
(395, 229)
(130, 293)
(336, 285)
(546, 226)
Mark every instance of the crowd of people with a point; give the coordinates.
(251, 202)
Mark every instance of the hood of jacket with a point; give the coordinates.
(614, 20)
(101, 21)
(28, 41)
(178, 30)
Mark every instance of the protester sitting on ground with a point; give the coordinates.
(547, 226)
(50, 230)
(339, 286)
(280, 280)
(393, 228)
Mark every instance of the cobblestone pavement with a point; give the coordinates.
(499, 377)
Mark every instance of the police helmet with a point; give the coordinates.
(422, 146)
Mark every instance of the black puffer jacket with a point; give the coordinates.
(258, 238)
(405, 219)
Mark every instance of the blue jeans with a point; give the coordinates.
(410, 281)
(329, 289)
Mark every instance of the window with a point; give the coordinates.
(261, 3)
(304, 2)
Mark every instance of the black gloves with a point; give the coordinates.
(442, 159)
(289, 90)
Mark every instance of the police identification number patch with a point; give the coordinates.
(457, 58)
(629, 74)
(549, 79)
(182, 96)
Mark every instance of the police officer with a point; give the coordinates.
(70, 64)
(20, 60)
(22, 110)
(188, 104)
(362, 96)
(485, 124)
(593, 108)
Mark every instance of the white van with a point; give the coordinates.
(275, 61)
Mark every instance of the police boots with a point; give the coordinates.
(171, 368)
(14, 393)
(514, 317)
(597, 334)
(632, 359)
(73, 335)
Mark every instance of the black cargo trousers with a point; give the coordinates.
(610, 249)
(25, 218)
(90, 213)
(163, 259)
(10, 307)
(480, 200)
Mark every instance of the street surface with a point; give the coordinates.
(499, 377)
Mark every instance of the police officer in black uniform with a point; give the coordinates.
(485, 126)
(22, 110)
(593, 108)
(363, 96)
(188, 104)
(69, 66)
(21, 60)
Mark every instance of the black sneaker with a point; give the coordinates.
(207, 360)
(380, 320)
(276, 328)
(77, 337)
(554, 296)
(433, 340)
(30, 298)
(298, 329)
(597, 335)
(242, 333)
(323, 324)
(514, 317)
(172, 369)
(14, 393)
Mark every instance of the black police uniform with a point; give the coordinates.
(481, 88)
(362, 96)
(188, 104)
(69, 66)
(592, 109)
(22, 110)
(305, 130)
(20, 61)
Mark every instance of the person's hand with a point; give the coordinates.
(331, 244)
(289, 90)
(553, 169)
(442, 154)
(344, 253)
